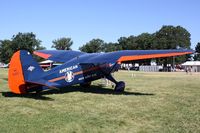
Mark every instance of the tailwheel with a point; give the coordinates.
(38, 90)
(86, 85)
(120, 86)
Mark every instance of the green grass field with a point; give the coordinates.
(152, 102)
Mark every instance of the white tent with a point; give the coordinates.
(193, 65)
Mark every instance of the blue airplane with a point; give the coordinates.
(25, 75)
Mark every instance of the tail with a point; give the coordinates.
(22, 69)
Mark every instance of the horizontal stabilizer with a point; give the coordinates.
(58, 55)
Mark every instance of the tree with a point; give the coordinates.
(145, 41)
(122, 41)
(197, 50)
(26, 41)
(128, 43)
(141, 42)
(110, 47)
(170, 37)
(62, 44)
(21, 41)
(95, 45)
(5, 51)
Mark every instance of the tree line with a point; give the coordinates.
(168, 37)
(28, 41)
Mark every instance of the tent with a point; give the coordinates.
(193, 65)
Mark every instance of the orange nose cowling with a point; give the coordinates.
(16, 80)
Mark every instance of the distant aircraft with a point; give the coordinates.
(25, 74)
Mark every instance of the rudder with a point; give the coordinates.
(22, 68)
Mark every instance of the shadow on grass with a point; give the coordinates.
(93, 89)
(30, 95)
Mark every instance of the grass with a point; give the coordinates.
(153, 102)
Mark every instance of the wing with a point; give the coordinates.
(129, 55)
(58, 55)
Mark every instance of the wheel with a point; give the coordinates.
(38, 90)
(120, 86)
(86, 85)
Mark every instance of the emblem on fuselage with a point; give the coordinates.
(31, 68)
(69, 76)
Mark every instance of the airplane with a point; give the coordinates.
(26, 76)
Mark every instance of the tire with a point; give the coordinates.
(120, 86)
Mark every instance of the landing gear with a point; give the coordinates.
(38, 90)
(86, 85)
(119, 86)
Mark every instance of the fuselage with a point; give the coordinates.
(72, 72)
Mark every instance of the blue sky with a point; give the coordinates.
(83, 20)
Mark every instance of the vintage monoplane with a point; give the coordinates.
(25, 74)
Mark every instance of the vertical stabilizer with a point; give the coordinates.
(22, 68)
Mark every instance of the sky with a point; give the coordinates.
(84, 20)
